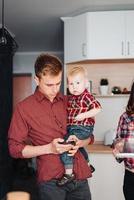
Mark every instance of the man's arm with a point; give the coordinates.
(19, 147)
(30, 151)
(52, 148)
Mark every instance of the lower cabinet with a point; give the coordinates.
(107, 180)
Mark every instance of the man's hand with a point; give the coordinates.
(75, 147)
(58, 148)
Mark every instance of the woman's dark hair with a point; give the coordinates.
(47, 64)
(130, 105)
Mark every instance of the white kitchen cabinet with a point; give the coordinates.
(129, 42)
(99, 35)
(107, 180)
(75, 38)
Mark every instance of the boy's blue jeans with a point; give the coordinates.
(82, 133)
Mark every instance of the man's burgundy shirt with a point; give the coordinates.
(37, 121)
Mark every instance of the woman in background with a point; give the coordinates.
(125, 131)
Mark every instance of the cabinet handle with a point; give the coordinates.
(122, 48)
(84, 49)
(128, 48)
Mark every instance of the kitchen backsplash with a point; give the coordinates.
(118, 74)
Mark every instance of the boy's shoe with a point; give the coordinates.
(67, 178)
(92, 168)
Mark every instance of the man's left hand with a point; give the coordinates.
(75, 147)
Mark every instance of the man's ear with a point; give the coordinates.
(36, 80)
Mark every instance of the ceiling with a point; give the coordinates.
(37, 26)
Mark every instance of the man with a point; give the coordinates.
(37, 130)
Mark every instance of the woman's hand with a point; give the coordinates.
(57, 146)
(118, 147)
(115, 152)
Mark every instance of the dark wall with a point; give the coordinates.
(6, 61)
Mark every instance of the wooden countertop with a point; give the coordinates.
(99, 148)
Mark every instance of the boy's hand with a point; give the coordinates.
(80, 117)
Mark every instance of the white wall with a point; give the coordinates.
(107, 180)
(107, 119)
(24, 62)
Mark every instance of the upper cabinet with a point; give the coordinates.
(99, 35)
(129, 37)
(75, 38)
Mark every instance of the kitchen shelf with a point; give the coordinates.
(99, 148)
(112, 95)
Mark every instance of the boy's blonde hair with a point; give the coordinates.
(76, 70)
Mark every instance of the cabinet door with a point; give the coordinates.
(107, 180)
(106, 35)
(129, 17)
(75, 38)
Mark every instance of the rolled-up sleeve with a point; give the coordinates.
(93, 102)
(17, 134)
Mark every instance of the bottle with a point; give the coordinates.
(89, 86)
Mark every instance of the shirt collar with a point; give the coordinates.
(40, 96)
(79, 96)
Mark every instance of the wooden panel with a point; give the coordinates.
(22, 87)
